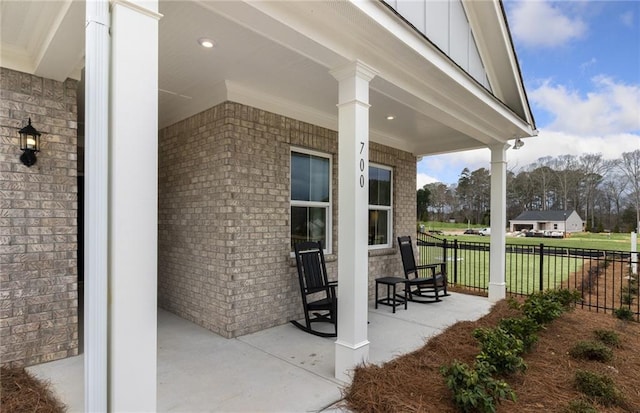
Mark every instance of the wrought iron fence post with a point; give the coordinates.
(455, 261)
(444, 254)
(541, 266)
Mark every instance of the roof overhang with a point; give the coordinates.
(277, 56)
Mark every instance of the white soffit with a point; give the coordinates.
(277, 56)
(316, 30)
(45, 38)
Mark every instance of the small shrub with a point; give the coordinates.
(474, 390)
(566, 297)
(591, 350)
(580, 406)
(624, 314)
(627, 299)
(513, 303)
(631, 289)
(546, 306)
(500, 349)
(540, 310)
(608, 337)
(522, 328)
(598, 387)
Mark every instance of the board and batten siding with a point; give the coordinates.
(446, 25)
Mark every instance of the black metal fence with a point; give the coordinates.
(604, 278)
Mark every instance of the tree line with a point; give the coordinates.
(605, 193)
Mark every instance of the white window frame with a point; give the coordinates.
(314, 204)
(389, 208)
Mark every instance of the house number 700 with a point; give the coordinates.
(362, 165)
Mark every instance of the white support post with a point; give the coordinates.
(96, 204)
(352, 346)
(133, 212)
(634, 253)
(497, 285)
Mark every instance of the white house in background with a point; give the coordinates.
(214, 133)
(565, 221)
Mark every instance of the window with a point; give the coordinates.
(310, 198)
(380, 206)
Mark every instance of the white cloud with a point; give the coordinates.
(554, 143)
(585, 65)
(540, 24)
(423, 179)
(611, 108)
(547, 143)
(447, 168)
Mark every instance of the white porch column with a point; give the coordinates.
(133, 206)
(497, 286)
(96, 204)
(352, 346)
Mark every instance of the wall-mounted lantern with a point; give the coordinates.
(30, 144)
(518, 144)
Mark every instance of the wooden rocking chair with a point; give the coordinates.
(424, 282)
(319, 300)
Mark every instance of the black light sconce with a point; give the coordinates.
(518, 144)
(30, 144)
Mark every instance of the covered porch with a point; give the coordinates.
(356, 81)
(278, 369)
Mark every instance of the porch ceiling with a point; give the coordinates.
(277, 56)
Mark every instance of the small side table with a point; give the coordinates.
(391, 299)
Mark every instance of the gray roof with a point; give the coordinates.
(544, 215)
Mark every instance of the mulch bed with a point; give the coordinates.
(22, 392)
(413, 383)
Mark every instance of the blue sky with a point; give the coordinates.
(580, 61)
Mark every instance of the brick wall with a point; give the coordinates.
(194, 169)
(224, 258)
(388, 262)
(38, 230)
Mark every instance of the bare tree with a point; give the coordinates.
(605, 193)
(593, 168)
(566, 172)
(438, 198)
(542, 175)
(613, 189)
(629, 165)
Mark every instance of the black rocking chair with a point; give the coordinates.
(424, 282)
(319, 300)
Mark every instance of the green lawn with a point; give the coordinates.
(444, 226)
(600, 241)
(522, 273)
(617, 242)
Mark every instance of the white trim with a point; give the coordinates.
(361, 69)
(496, 55)
(379, 12)
(96, 204)
(236, 92)
(51, 32)
(314, 204)
(389, 210)
(137, 8)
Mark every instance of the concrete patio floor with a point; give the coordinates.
(281, 369)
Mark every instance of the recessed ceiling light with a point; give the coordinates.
(391, 117)
(207, 43)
